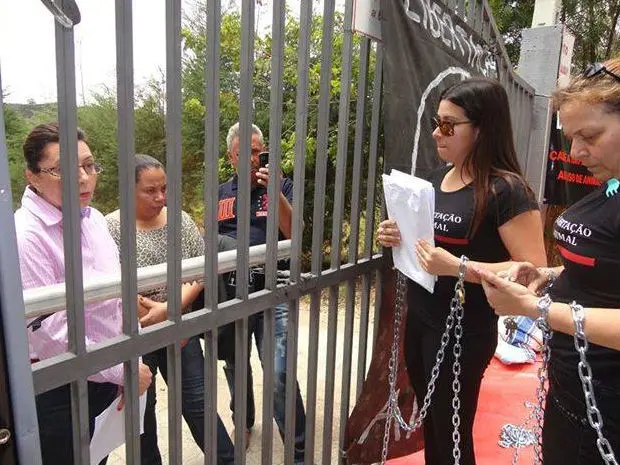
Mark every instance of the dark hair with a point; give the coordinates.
(493, 155)
(37, 140)
(146, 162)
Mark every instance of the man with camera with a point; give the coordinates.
(227, 220)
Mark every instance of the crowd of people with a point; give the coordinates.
(488, 214)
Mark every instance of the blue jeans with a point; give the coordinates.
(193, 386)
(54, 416)
(255, 326)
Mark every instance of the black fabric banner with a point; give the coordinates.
(567, 180)
(427, 49)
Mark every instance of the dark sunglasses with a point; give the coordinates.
(596, 69)
(446, 127)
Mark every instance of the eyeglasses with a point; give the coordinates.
(446, 127)
(596, 69)
(89, 168)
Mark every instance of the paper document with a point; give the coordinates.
(410, 201)
(110, 430)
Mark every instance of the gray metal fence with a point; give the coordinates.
(358, 267)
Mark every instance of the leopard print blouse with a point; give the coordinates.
(151, 246)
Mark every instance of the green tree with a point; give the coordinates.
(16, 129)
(595, 26)
(511, 18)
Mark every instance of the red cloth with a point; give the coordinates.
(505, 389)
(363, 441)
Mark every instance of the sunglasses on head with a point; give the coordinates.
(596, 69)
(446, 126)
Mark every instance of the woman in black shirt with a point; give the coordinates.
(588, 238)
(484, 210)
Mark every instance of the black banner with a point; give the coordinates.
(567, 180)
(427, 49)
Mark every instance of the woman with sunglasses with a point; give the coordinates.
(588, 238)
(484, 210)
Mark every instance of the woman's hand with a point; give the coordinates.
(436, 260)
(507, 297)
(388, 234)
(154, 312)
(528, 275)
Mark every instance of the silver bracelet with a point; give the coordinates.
(579, 318)
(551, 275)
(542, 306)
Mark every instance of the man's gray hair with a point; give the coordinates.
(234, 132)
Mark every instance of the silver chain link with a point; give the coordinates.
(393, 409)
(585, 375)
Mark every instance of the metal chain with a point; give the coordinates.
(543, 379)
(401, 288)
(393, 409)
(585, 374)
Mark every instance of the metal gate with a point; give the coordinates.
(354, 262)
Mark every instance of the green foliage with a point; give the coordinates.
(511, 18)
(16, 128)
(99, 118)
(594, 23)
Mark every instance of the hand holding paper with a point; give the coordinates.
(410, 202)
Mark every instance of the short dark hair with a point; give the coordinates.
(37, 140)
(145, 162)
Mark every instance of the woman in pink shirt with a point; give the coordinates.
(38, 225)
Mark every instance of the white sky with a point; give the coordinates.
(27, 49)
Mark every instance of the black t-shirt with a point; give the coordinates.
(453, 216)
(588, 238)
(227, 209)
(259, 204)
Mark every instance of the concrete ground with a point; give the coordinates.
(192, 455)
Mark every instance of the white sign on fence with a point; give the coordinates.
(367, 18)
(566, 57)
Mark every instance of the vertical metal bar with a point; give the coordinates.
(212, 137)
(67, 117)
(378, 296)
(328, 406)
(363, 334)
(273, 192)
(301, 132)
(370, 215)
(19, 373)
(461, 9)
(126, 179)
(362, 88)
(243, 224)
(173, 167)
(341, 164)
(372, 179)
(471, 14)
(318, 219)
(322, 136)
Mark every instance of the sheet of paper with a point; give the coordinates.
(410, 201)
(110, 430)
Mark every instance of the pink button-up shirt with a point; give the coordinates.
(42, 261)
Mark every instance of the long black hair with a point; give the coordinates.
(493, 155)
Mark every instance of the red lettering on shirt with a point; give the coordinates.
(225, 209)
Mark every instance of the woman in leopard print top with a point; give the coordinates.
(151, 247)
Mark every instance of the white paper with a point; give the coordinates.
(110, 430)
(410, 201)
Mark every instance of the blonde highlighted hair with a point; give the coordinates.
(601, 88)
